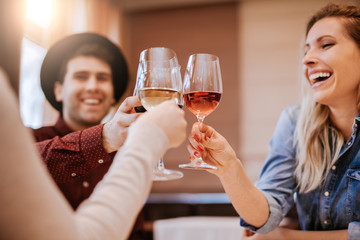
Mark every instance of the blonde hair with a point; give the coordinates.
(318, 142)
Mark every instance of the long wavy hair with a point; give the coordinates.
(319, 143)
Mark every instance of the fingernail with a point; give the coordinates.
(197, 138)
(191, 158)
(201, 149)
(197, 154)
(205, 137)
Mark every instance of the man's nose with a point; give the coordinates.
(91, 82)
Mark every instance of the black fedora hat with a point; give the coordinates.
(63, 48)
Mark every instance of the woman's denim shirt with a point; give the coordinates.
(333, 205)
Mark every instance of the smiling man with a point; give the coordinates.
(83, 76)
(86, 91)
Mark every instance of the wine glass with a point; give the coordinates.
(202, 91)
(159, 79)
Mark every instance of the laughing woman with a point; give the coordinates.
(314, 158)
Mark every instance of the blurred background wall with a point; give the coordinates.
(259, 43)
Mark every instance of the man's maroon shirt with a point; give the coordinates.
(76, 160)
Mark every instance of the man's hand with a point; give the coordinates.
(115, 131)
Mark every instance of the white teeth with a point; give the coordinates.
(91, 101)
(317, 75)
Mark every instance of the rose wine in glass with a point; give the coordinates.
(202, 91)
(158, 80)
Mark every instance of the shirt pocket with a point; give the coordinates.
(353, 195)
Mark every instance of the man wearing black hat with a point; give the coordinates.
(83, 76)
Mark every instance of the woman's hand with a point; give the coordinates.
(214, 149)
(276, 234)
(248, 201)
(171, 119)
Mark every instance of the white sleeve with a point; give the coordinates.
(111, 210)
(32, 206)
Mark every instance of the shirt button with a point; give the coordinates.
(325, 222)
(100, 161)
(333, 167)
(73, 174)
(85, 184)
(355, 124)
(326, 194)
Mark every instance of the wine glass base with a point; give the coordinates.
(197, 166)
(167, 175)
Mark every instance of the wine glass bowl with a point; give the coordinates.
(202, 90)
(158, 80)
(202, 103)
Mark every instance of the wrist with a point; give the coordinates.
(231, 170)
(106, 144)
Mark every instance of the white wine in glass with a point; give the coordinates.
(158, 80)
(202, 91)
(152, 96)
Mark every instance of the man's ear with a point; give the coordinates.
(58, 87)
(113, 102)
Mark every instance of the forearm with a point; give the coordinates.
(34, 209)
(122, 193)
(248, 201)
(317, 235)
(281, 233)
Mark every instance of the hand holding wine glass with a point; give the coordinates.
(202, 91)
(171, 119)
(159, 80)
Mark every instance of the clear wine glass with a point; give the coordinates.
(159, 79)
(202, 91)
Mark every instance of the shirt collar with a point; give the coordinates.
(61, 127)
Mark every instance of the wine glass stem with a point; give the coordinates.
(200, 120)
(160, 164)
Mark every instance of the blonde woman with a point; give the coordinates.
(314, 158)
